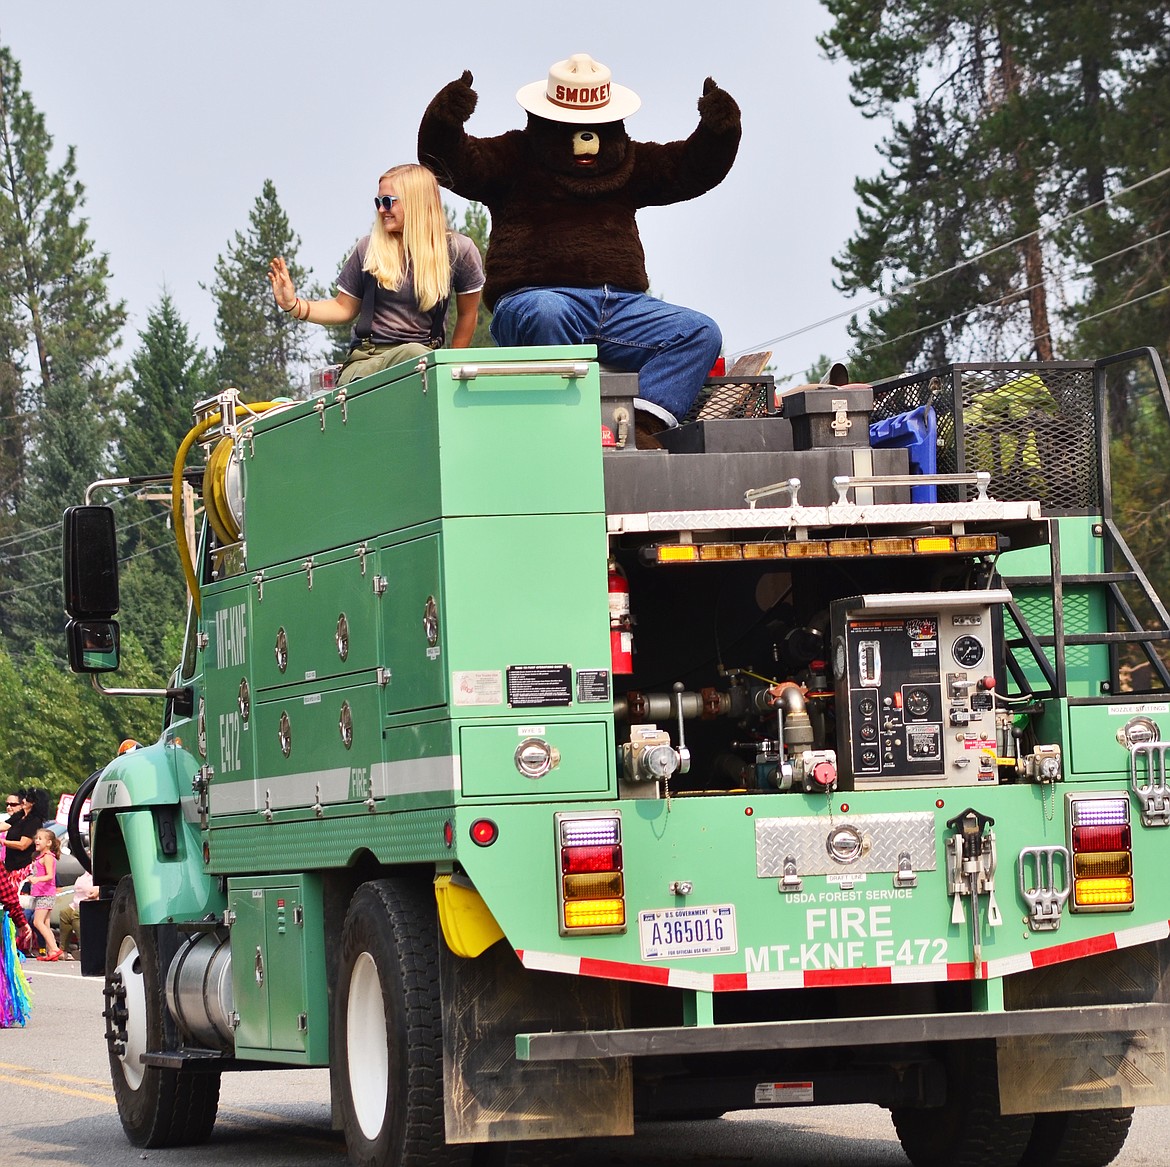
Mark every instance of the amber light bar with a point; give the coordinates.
(822, 548)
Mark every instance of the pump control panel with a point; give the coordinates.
(915, 681)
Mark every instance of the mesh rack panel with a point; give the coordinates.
(733, 397)
(1032, 426)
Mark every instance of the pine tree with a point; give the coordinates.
(1010, 120)
(262, 350)
(58, 333)
(169, 374)
(970, 162)
(1124, 245)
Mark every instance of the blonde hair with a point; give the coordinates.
(54, 842)
(422, 247)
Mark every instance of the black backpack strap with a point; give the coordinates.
(439, 322)
(364, 327)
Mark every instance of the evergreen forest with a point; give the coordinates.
(1021, 212)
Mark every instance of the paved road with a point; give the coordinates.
(58, 1111)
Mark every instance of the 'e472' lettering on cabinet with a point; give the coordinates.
(229, 742)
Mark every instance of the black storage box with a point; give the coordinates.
(829, 416)
(659, 481)
(730, 435)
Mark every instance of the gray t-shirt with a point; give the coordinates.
(397, 316)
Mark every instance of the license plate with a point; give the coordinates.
(669, 933)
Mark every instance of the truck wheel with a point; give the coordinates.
(158, 1108)
(389, 1026)
(968, 1130)
(1078, 1138)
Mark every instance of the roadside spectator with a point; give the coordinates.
(19, 851)
(12, 807)
(44, 889)
(70, 923)
(15, 937)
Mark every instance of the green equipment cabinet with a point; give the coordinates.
(278, 952)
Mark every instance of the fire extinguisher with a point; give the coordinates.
(621, 635)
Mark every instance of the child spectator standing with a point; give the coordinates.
(44, 888)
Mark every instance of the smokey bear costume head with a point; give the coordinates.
(563, 192)
(576, 126)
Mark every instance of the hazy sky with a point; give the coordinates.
(179, 112)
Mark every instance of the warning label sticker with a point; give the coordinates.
(592, 685)
(530, 685)
(783, 1093)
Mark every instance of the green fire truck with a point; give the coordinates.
(536, 784)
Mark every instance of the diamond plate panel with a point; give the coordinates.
(884, 838)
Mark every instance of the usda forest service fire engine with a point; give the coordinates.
(535, 785)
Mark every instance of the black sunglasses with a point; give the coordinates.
(384, 202)
(14, 804)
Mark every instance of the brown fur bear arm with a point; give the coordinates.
(476, 168)
(676, 171)
(480, 169)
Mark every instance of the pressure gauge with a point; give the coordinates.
(967, 651)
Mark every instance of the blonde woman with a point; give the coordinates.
(397, 283)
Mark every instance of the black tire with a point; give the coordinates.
(77, 845)
(388, 1027)
(1078, 1138)
(968, 1130)
(158, 1108)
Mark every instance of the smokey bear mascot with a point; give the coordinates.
(565, 264)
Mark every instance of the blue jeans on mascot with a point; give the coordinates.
(671, 349)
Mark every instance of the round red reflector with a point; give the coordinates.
(484, 832)
(748, 811)
(844, 808)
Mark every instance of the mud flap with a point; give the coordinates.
(1088, 1071)
(488, 1095)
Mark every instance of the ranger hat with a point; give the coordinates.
(579, 90)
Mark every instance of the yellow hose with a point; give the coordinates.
(193, 435)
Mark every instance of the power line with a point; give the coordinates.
(1107, 311)
(915, 284)
(137, 555)
(1015, 294)
(55, 549)
(22, 536)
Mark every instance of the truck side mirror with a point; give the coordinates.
(91, 564)
(93, 645)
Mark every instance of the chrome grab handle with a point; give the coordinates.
(567, 369)
(842, 483)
